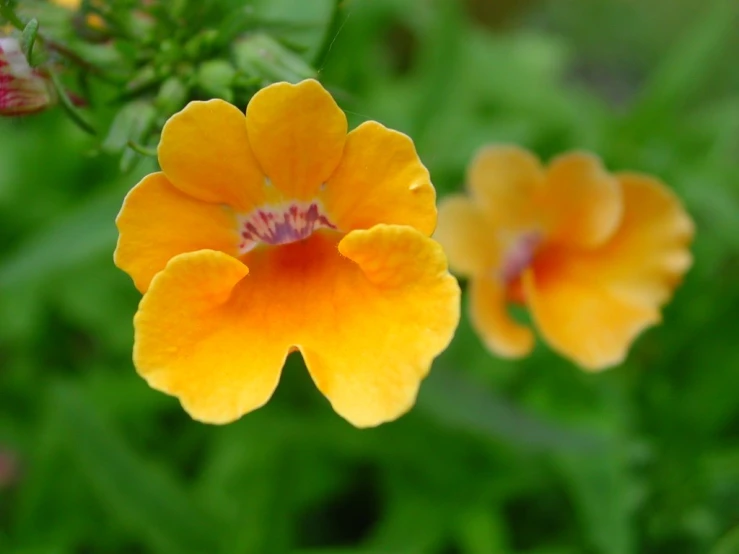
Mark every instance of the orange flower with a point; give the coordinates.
(592, 255)
(282, 232)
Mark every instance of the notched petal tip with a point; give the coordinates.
(305, 85)
(298, 133)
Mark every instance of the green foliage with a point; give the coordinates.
(528, 457)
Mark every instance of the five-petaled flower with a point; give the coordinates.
(23, 90)
(592, 255)
(280, 232)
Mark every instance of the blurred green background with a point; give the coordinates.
(533, 456)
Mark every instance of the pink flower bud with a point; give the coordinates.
(23, 90)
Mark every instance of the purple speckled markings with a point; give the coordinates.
(281, 224)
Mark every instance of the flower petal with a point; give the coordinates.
(583, 202)
(489, 315)
(382, 314)
(205, 152)
(195, 341)
(298, 134)
(368, 324)
(380, 180)
(506, 180)
(467, 236)
(158, 222)
(590, 305)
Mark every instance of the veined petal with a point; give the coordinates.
(590, 305)
(489, 315)
(204, 151)
(583, 202)
(195, 341)
(380, 179)
(298, 134)
(468, 236)
(158, 222)
(507, 181)
(388, 309)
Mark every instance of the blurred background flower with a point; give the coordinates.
(529, 456)
(593, 256)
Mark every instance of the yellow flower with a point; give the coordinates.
(282, 232)
(69, 4)
(92, 20)
(592, 255)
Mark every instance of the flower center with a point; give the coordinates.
(519, 255)
(281, 224)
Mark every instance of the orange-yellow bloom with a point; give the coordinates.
(592, 255)
(280, 232)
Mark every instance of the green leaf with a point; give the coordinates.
(132, 122)
(172, 95)
(140, 496)
(455, 401)
(215, 78)
(28, 40)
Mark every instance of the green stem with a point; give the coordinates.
(332, 31)
(7, 13)
(69, 106)
(143, 150)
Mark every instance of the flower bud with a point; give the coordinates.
(23, 90)
(215, 78)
